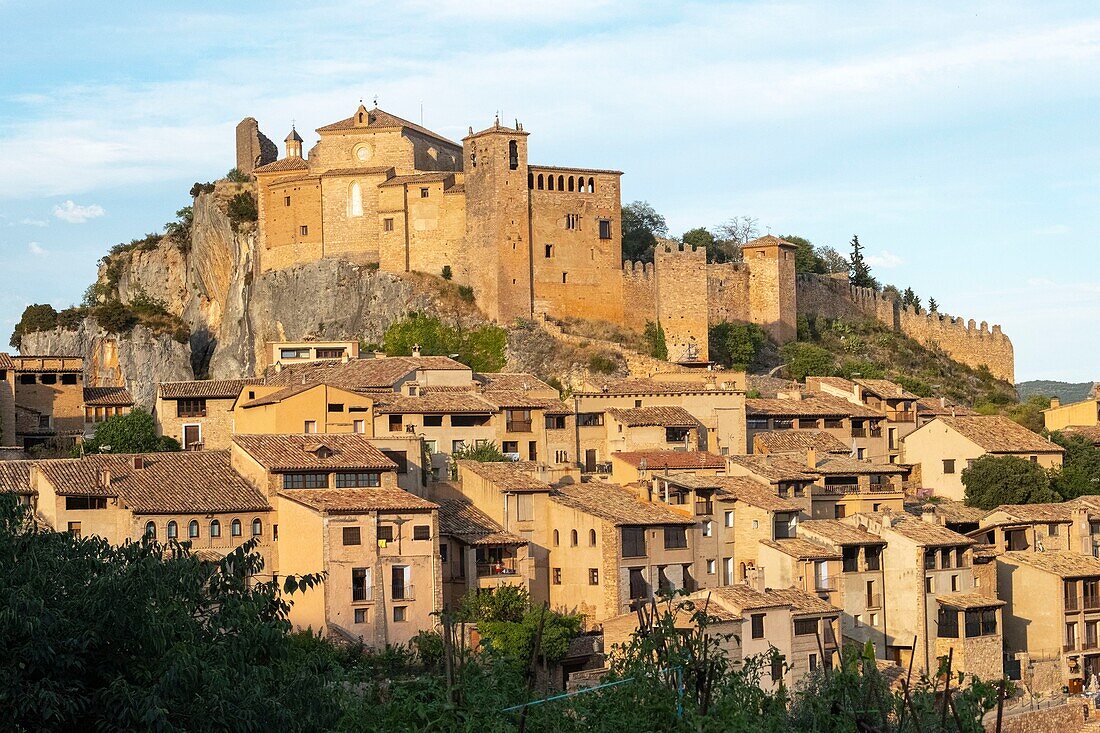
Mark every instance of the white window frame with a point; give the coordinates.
(183, 432)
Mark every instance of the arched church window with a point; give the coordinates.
(355, 199)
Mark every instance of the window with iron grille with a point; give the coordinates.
(352, 536)
(360, 584)
(385, 532)
(422, 532)
(305, 480)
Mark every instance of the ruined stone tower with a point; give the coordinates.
(253, 147)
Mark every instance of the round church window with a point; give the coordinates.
(363, 152)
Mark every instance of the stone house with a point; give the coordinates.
(476, 553)
(15, 479)
(102, 403)
(652, 428)
(929, 408)
(297, 352)
(850, 486)
(1072, 525)
(859, 427)
(947, 445)
(889, 398)
(633, 466)
(199, 414)
(303, 408)
(41, 400)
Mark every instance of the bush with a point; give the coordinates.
(806, 359)
(180, 229)
(655, 339)
(236, 176)
(736, 345)
(202, 188)
(482, 348)
(603, 363)
(242, 208)
(135, 432)
(448, 274)
(37, 317)
(114, 317)
(466, 293)
(994, 480)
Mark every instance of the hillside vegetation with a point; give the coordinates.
(1065, 391)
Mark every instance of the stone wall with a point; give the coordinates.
(682, 304)
(253, 147)
(966, 342)
(1062, 719)
(728, 292)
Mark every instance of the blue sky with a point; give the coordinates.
(959, 142)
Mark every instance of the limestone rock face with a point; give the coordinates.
(137, 360)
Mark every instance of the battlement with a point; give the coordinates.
(671, 250)
(638, 270)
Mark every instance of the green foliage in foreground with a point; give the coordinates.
(736, 345)
(994, 480)
(481, 348)
(149, 637)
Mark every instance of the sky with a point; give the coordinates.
(958, 140)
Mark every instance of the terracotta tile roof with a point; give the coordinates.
(513, 381)
(525, 401)
(927, 534)
(798, 441)
(1063, 563)
(381, 119)
(984, 553)
(509, 476)
(741, 598)
(840, 383)
(952, 511)
(651, 387)
(430, 177)
(1090, 433)
(465, 522)
(933, 406)
(220, 389)
(357, 375)
(278, 396)
(445, 402)
(576, 170)
(616, 505)
(886, 389)
(667, 417)
(840, 533)
(367, 170)
(192, 482)
(754, 493)
(776, 468)
(1061, 512)
(714, 609)
(284, 164)
(846, 466)
(815, 406)
(5, 361)
(769, 240)
(968, 600)
(456, 188)
(107, 396)
(15, 477)
(998, 434)
(314, 452)
(357, 501)
(800, 601)
(656, 460)
(802, 549)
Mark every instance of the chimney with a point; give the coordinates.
(139, 462)
(105, 479)
(1055, 402)
(811, 458)
(416, 350)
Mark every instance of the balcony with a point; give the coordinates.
(842, 488)
(1073, 603)
(401, 593)
(362, 594)
(903, 416)
(859, 432)
(1092, 603)
(519, 426)
(824, 585)
(875, 432)
(1070, 647)
(703, 508)
(495, 569)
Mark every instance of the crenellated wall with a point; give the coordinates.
(640, 291)
(682, 303)
(967, 342)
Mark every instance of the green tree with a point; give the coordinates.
(487, 452)
(805, 360)
(834, 261)
(1080, 472)
(236, 176)
(933, 306)
(481, 348)
(806, 258)
(503, 603)
(641, 225)
(135, 432)
(859, 272)
(242, 208)
(994, 480)
(736, 345)
(1029, 413)
(699, 237)
(911, 299)
(655, 338)
(37, 317)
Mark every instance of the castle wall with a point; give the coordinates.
(575, 269)
(283, 244)
(728, 292)
(772, 297)
(352, 233)
(966, 342)
(682, 307)
(639, 284)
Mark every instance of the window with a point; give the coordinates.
(633, 542)
(215, 528)
(729, 518)
(48, 379)
(874, 619)
(235, 528)
(44, 421)
(151, 530)
(458, 446)
(805, 626)
(518, 421)
(193, 529)
(385, 533)
(857, 620)
(605, 229)
(639, 586)
(513, 155)
(712, 567)
(74, 529)
(525, 508)
(359, 426)
(387, 224)
(555, 422)
(591, 538)
(190, 408)
(949, 465)
(423, 193)
(361, 615)
(708, 528)
(355, 199)
(929, 586)
(813, 660)
(756, 423)
(26, 379)
(305, 480)
(335, 407)
(757, 625)
(352, 536)
(257, 528)
(593, 576)
(549, 251)
(422, 532)
(572, 220)
(400, 457)
(954, 583)
(358, 480)
(850, 561)
(304, 230)
(557, 576)
(675, 538)
(172, 531)
(873, 556)
(275, 532)
(557, 537)
(430, 421)
(286, 201)
(564, 277)
(73, 503)
(443, 552)
(573, 538)
(777, 668)
(983, 622)
(399, 613)
(1052, 530)
(401, 582)
(360, 584)
(589, 419)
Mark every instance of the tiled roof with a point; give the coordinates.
(776, 468)
(845, 385)
(1061, 512)
(5, 361)
(435, 363)
(714, 609)
(968, 600)
(651, 387)
(886, 389)
(513, 381)
(508, 476)
(314, 452)
(274, 398)
(668, 417)
(802, 549)
(801, 601)
(357, 375)
(192, 482)
(927, 534)
(429, 177)
(1090, 433)
(998, 434)
(445, 402)
(798, 441)
(769, 240)
(846, 466)
(364, 170)
(356, 501)
(815, 406)
(566, 169)
(932, 406)
(616, 505)
(107, 396)
(742, 598)
(284, 164)
(840, 533)
(1063, 563)
(224, 389)
(15, 477)
(656, 460)
(381, 119)
(950, 510)
(754, 493)
(525, 401)
(465, 522)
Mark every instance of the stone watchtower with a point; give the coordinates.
(253, 147)
(498, 220)
(772, 286)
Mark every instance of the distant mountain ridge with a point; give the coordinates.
(1065, 391)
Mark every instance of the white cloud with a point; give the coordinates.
(34, 222)
(885, 260)
(1052, 231)
(37, 250)
(77, 213)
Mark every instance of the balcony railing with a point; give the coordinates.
(401, 593)
(519, 426)
(1073, 603)
(508, 567)
(1070, 647)
(903, 416)
(362, 594)
(824, 585)
(852, 488)
(875, 432)
(859, 432)
(1092, 603)
(704, 507)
